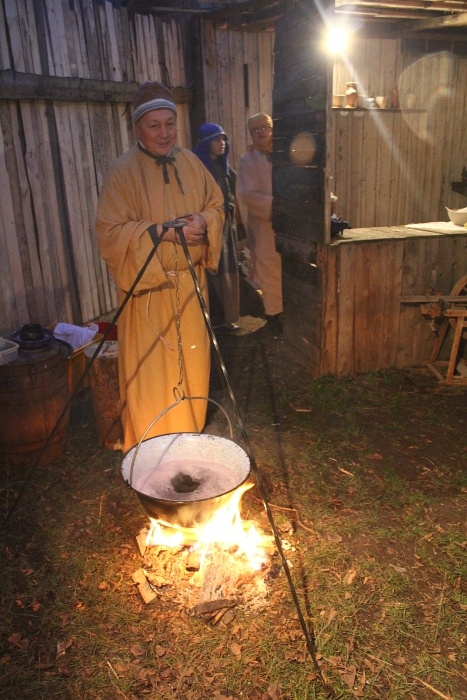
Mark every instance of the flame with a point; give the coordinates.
(225, 530)
(158, 535)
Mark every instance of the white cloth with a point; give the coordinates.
(76, 336)
(438, 227)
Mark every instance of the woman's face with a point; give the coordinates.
(262, 137)
(157, 131)
(217, 146)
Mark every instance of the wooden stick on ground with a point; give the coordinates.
(437, 692)
(210, 606)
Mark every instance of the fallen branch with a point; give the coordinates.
(437, 692)
(290, 510)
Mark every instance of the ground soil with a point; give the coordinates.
(365, 479)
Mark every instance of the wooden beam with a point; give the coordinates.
(25, 86)
(433, 298)
(410, 10)
(248, 12)
(426, 5)
(30, 86)
(184, 10)
(450, 22)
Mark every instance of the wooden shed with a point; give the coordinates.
(68, 69)
(389, 168)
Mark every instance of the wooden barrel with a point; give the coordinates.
(33, 395)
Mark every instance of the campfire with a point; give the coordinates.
(210, 568)
(197, 551)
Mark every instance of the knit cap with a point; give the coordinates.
(152, 95)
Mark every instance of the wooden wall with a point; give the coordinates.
(55, 153)
(393, 167)
(345, 315)
(59, 136)
(387, 166)
(237, 72)
(67, 73)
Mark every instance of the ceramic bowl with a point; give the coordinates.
(338, 100)
(458, 216)
(381, 101)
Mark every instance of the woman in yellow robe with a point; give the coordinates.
(153, 183)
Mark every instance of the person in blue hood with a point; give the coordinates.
(224, 291)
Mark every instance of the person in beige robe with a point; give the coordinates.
(254, 193)
(163, 343)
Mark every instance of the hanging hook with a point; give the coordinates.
(178, 393)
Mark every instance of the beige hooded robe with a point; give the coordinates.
(254, 193)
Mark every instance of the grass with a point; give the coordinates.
(366, 479)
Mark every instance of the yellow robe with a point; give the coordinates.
(133, 197)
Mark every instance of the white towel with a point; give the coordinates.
(76, 336)
(438, 227)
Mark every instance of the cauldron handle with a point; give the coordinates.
(166, 410)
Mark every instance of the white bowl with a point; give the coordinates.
(458, 216)
(338, 100)
(381, 101)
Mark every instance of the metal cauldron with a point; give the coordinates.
(183, 478)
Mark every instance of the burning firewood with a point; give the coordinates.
(141, 540)
(207, 570)
(212, 606)
(193, 561)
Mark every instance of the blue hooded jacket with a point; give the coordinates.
(206, 133)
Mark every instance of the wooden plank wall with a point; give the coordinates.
(390, 167)
(227, 56)
(54, 154)
(364, 327)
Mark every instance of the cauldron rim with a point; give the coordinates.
(186, 502)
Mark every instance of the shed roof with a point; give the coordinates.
(447, 16)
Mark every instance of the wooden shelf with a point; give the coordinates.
(377, 109)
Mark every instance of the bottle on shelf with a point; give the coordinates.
(351, 94)
(395, 98)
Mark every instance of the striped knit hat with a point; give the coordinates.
(152, 95)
